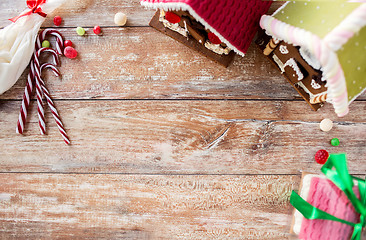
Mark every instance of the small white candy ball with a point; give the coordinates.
(120, 19)
(326, 125)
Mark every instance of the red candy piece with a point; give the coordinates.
(172, 17)
(68, 43)
(57, 20)
(321, 156)
(213, 38)
(70, 52)
(97, 30)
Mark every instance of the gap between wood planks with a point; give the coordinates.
(166, 174)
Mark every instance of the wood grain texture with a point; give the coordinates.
(49, 206)
(208, 137)
(142, 63)
(89, 13)
(166, 144)
(86, 13)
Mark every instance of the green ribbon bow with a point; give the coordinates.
(344, 181)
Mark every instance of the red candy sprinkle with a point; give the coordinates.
(68, 43)
(97, 30)
(213, 38)
(321, 156)
(57, 20)
(172, 17)
(70, 52)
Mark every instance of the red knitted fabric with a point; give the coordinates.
(236, 21)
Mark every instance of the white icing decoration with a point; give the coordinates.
(310, 58)
(311, 95)
(278, 61)
(283, 49)
(173, 26)
(315, 85)
(292, 63)
(185, 28)
(182, 6)
(217, 48)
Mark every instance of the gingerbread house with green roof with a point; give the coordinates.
(320, 47)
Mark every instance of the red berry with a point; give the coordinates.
(172, 17)
(97, 30)
(70, 52)
(321, 156)
(213, 38)
(68, 43)
(57, 20)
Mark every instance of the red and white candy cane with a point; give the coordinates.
(34, 78)
(34, 70)
(39, 89)
(25, 103)
(30, 80)
(40, 109)
(59, 40)
(55, 114)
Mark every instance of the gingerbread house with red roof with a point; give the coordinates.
(216, 28)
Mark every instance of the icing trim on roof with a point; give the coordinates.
(332, 70)
(347, 28)
(185, 7)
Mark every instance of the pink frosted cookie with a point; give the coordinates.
(323, 194)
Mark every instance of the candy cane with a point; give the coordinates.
(40, 109)
(34, 77)
(39, 90)
(59, 40)
(55, 114)
(25, 102)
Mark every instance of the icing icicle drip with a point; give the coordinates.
(173, 26)
(292, 63)
(183, 6)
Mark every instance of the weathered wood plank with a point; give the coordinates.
(209, 137)
(83, 12)
(88, 12)
(141, 63)
(50, 206)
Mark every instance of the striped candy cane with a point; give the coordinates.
(39, 89)
(25, 102)
(34, 70)
(34, 77)
(55, 114)
(59, 40)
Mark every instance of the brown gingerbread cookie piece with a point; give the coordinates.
(191, 42)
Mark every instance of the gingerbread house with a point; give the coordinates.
(216, 28)
(320, 48)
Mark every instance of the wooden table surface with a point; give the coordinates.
(166, 144)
